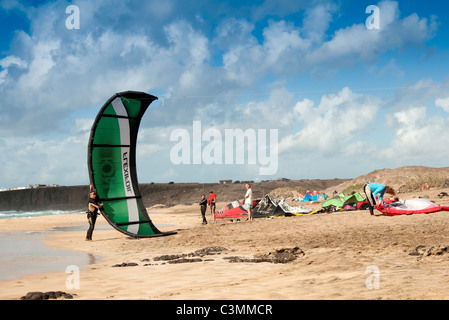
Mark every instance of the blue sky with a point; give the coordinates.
(344, 99)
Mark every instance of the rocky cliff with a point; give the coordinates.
(50, 198)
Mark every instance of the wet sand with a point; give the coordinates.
(347, 255)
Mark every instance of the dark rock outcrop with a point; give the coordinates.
(47, 295)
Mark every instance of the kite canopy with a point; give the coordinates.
(232, 210)
(412, 206)
(112, 163)
(342, 200)
(313, 197)
(268, 207)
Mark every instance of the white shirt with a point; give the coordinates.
(249, 196)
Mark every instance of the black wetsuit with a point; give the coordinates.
(92, 218)
(203, 205)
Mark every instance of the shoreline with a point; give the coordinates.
(339, 249)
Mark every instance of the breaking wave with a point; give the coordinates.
(33, 214)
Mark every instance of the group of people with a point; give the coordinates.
(95, 206)
(248, 199)
(374, 194)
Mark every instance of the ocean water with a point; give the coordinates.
(32, 214)
(24, 253)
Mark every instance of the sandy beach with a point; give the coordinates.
(344, 255)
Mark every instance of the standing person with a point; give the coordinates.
(372, 190)
(203, 205)
(212, 200)
(94, 205)
(249, 201)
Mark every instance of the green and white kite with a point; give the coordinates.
(112, 164)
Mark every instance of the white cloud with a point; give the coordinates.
(187, 44)
(233, 32)
(3, 75)
(204, 68)
(417, 137)
(12, 61)
(331, 126)
(292, 50)
(280, 52)
(317, 20)
(61, 70)
(65, 70)
(13, 5)
(356, 43)
(282, 40)
(50, 161)
(443, 103)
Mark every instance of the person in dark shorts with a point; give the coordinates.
(203, 205)
(372, 191)
(212, 201)
(93, 208)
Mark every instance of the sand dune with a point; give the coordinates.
(397, 177)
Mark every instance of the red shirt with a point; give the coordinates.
(212, 197)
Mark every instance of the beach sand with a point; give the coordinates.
(344, 253)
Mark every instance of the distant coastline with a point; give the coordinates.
(172, 193)
(169, 194)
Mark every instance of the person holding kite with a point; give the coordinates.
(94, 206)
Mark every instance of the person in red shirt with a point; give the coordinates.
(212, 200)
